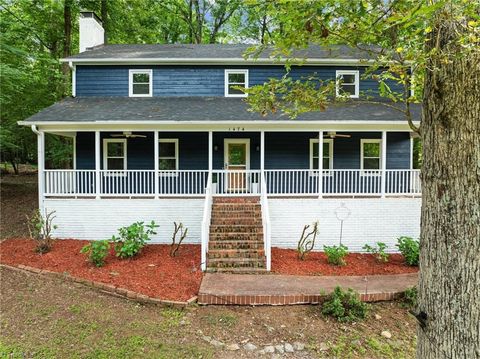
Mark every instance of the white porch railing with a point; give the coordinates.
(266, 224)
(140, 183)
(207, 216)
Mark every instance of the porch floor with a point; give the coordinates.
(252, 289)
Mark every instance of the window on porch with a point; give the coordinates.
(115, 154)
(168, 154)
(371, 154)
(327, 157)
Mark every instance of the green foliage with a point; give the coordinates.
(378, 251)
(40, 229)
(336, 254)
(410, 297)
(410, 249)
(97, 251)
(133, 238)
(345, 306)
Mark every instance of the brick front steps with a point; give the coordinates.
(236, 236)
(104, 287)
(232, 289)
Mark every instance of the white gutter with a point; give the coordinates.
(215, 61)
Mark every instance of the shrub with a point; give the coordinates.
(410, 249)
(133, 238)
(378, 251)
(307, 240)
(410, 297)
(336, 254)
(175, 246)
(40, 229)
(97, 251)
(345, 306)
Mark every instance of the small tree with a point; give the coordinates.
(175, 246)
(307, 240)
(40, 229)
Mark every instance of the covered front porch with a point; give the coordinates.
(237, 162)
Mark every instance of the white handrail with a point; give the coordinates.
(267, 245)
(207, 217)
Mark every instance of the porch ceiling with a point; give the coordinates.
(199, 109)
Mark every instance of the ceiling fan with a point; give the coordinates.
(333, 134)
(127, 134)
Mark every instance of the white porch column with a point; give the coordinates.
(320, 164)
(155, 163)
(384, 162)
(41, 170)
(97, 164)
(262, 159)
(210, 151)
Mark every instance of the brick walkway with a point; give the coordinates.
(252, 289)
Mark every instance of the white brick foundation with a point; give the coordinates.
(371, 220)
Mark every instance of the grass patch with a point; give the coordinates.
(224, 319)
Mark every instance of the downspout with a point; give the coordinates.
(41, 165)
(74, 77)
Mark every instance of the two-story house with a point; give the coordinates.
(162, 133)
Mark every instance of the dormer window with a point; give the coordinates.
(140, 83)
(347, 83)
(234, 78)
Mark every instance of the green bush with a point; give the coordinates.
(133, 238)
(336, 254)
(410, 249)
(410, 297)
(378, 251)
(97, 251)
(345, 306)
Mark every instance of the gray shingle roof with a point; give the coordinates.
(208, 109)
(211, 51)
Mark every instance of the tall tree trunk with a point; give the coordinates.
(104, 15)
(449, 288)
(67, 42)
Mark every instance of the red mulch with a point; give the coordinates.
(285, 261)
(153, 272)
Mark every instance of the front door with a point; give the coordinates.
(237, 161)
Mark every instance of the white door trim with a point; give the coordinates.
(228, 141)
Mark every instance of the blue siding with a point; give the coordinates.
(194, 80)
(282, 150)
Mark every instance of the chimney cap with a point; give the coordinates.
(86, 14)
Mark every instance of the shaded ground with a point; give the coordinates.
(46, 317)
(18, 197)
(153, 272)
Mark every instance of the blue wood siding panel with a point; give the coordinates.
(98, 80)
(398, 150)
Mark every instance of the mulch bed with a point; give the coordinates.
(153, 273)
(285, 261)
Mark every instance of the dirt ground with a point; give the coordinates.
(18, 197)
(44, 317)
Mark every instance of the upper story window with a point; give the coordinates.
(347, 83)
(115, 154)
(140, 83)
(327, 156)
(234, 78)
(168, 154)
(371, 154)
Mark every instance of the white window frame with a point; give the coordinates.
(169, 140)
(367, 172)
(235, 71)
(130, 82)
(314, 142)
(106, 141)
(339, 73)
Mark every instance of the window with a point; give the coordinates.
(168, 154)
(347, 83)
(327, 154)
(371, 154)
(140, 83)
(115, 154)
(235, 78)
